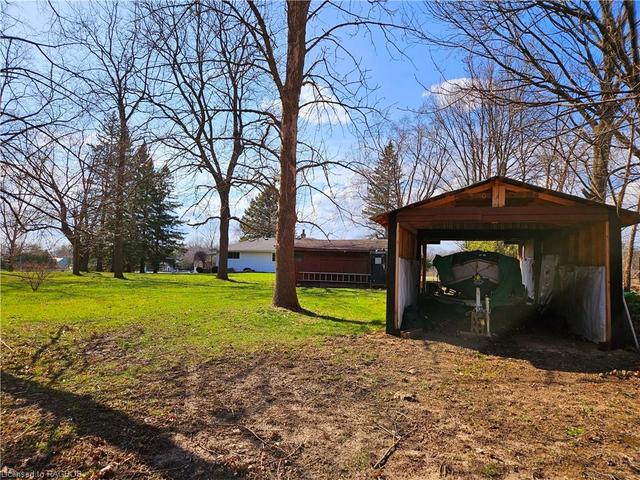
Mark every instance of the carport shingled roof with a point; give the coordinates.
(355, 245)
(268, 245)
(627, 217)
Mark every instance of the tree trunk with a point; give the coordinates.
(601, 156)
(606, 112)
(84, 259)
(628, 260)
(223, 248)
(75, 263)
(142, 265)
(118, 227)
(284, 293)
(99, 259)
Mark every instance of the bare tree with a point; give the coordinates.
(207, 90)
(296, 48)
(55, 180)
(570, 54)
(482, 137)
(35, 274)
(17, 219)
(34, 88)
(109, 64)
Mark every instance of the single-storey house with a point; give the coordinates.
(359, 262)
(257, 255)
(570, 250)
(63, 263)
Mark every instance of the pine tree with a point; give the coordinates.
(102, 215)
(153, 233)
(384, 187)
(261, 217)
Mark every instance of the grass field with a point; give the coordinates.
(176, 313)
(187, 377)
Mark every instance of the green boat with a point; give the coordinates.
(495, 275)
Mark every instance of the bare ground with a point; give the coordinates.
(372, 406)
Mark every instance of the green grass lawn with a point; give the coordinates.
(159, 316)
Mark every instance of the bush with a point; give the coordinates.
(35, 274)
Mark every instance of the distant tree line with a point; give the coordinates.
(78, 196)
(232, 94)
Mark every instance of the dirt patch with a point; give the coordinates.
(449, 407)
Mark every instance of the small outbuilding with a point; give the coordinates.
(353, 263)
(569, 249)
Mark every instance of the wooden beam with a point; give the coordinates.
(498, 195)
(607, 277)
(554, 199)
(392, 230)
(617, 324)
(437, 235)
(537, 269)
(449, 198)
(561, 215)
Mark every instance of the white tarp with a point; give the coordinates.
(526, 268)
(407, 285)
(547, 278)
(581, 296)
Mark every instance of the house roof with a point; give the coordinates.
(260, 245)
(353, 245)
(627, 217)
(308, 244)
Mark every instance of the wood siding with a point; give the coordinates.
(331, 261)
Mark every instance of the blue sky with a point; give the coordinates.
(400, 84)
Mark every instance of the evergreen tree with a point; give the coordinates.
(261, 217)
(102, 213)
(384, 190)
(153, 232)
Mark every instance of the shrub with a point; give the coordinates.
(34, 274)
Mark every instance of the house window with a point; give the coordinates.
(299, 256)
(273, 257)
(234, 254)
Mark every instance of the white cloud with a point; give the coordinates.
(336, 210)
(451, 92)
(320, 106)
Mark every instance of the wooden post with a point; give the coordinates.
(537, 268)
(424, 267)
(498, 196)
(616, 325)
(392, 230)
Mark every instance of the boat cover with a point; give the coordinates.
(507, 288)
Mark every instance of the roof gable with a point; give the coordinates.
(506, 192)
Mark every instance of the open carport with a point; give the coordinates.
(569, 248)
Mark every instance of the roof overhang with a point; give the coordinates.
(504, 201)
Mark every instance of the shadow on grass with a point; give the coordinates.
(330, 318)
(233, 280)
(155, 446)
